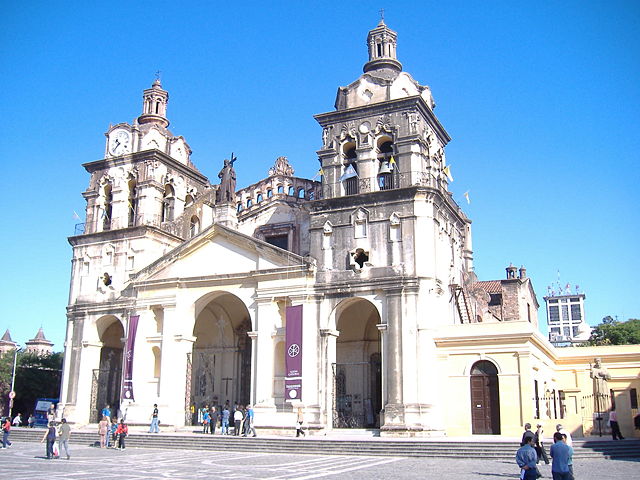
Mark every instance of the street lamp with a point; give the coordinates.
(12, 393)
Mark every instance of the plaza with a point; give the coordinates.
(26, 461)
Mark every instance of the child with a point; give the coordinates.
(122, 432)
(113, 434)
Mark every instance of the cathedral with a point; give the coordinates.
(353, 297)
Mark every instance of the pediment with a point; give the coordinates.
(218, 251)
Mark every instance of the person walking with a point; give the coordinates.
(560, 453)
(50, 438)
(6, 430)
(224, 421)
(615, 427)
(560, 429)
(122, 433)
(527, 433)
(237, 420)
(538, 441)
(213, 419)
(64, 432)
(17, 421)
(103, 429)
(300, 423)
(249, 426)
(154, 427)
(31, 421)
(527, 460)
(206, 418)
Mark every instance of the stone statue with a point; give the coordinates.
(227, 176)
(600, 375)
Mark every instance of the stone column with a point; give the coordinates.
(394, 408)
(254, 360)
(328, 356)
(382, 328)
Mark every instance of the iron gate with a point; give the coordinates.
(356, 394)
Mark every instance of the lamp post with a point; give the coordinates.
(12, 393)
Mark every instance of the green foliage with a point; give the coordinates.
(37, 376)
(613, 332)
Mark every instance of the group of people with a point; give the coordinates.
(62, 433)
(243, 419)
(532, 451)
(112, 433)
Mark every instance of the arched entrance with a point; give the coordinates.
(107, 378)
(221, 359)
(485, 399)
(357, 398)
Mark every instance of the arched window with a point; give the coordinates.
(108, 207)
(269, 193)
(349, 176)
(239, 207)
(194, 226)
(312, 195)
(158, 107)
(386, 165)
(280, 189)
(157, 358)
(133, 203)
(168, 203)
(259, 198)
(249, 203)
(188, 201)
(291, 191)
(301, 193)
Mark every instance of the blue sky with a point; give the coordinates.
(541, 100)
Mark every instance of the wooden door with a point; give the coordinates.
(485, 400)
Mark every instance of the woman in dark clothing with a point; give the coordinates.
(50, 437)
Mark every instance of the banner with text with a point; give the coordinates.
(293, 354)
(127, 381)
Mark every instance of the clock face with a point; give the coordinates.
(119, 142)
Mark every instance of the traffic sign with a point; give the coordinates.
(12, 394)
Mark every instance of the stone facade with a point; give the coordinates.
(398, 333)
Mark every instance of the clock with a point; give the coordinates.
(119, 142)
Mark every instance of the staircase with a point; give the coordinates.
(497, 449)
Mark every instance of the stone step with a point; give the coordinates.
(333, 446)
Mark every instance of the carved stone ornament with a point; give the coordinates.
(383, 123)
(327, 228)
(106, 179)
(281, 167)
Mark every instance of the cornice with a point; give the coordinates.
(415, 102)
(140, 157)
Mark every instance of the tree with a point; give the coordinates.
(6, 370)
(37, 376)
(613, 332)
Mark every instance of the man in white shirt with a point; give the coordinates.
(561, 429)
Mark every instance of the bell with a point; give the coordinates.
(384, 167)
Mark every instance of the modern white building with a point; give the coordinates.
(566, 319)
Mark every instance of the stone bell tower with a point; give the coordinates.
(387, 227)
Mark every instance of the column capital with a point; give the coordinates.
(381, 327)
(252, 334)
(327, 332)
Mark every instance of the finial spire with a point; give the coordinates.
(382, 43)
(154, 104)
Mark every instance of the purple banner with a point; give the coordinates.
(293, 354)
(127, 381)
